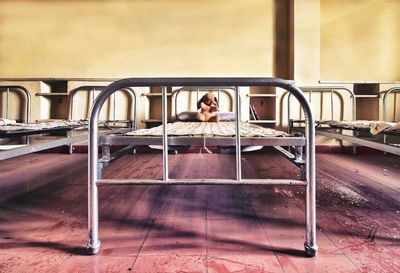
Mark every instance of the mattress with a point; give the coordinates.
(41, 125)
(375, 127)
(218, 129)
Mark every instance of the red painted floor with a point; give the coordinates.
(43, 210)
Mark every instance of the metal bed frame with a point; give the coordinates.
(355, 139)
(20, 89)
(95, 165)
(332, 90)
(68, 130)
(42, 144)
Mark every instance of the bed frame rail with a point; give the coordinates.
(94, 168)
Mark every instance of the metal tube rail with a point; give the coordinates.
(91, 88)
(384, 101)
(165, 133)
(21, 89)
(201, 88)
(201, 182)
(93, 246)
(321, 89)
(237, 137)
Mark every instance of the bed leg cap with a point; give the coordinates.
(93, 249)
(310, 251)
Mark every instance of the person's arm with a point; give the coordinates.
(204, 107)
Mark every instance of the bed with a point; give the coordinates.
(369, 133)
(228, 134)
(52, 133)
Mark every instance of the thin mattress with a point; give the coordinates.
(218, 129)
(40, 125)
(375, 127)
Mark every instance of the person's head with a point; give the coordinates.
(208, 99)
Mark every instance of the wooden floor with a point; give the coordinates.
(43, 216)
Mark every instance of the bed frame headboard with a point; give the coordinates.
(20, 89)
(91, 90)
(201, 89)
(386, 94)
(333, 91)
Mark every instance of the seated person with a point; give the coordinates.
(208, 106)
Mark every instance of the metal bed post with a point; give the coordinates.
(114, 110)
(93, 95)
(7, 102)
(94, 172)
(289, 129)
(310, 244)
(238, 146)
(165, 133)
(331, 104)
(93, 202)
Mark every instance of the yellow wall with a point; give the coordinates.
(124, 38)
(306, 41)
(360, 40)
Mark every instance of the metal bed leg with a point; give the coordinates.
(298, 152)
(310, 245)
(385, 137)
(70, 146)
(354, 145)
(302, 172)
(105, 152)
(100, 169)
(94, 170)
(93, 246)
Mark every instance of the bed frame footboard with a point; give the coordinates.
(96, 165)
